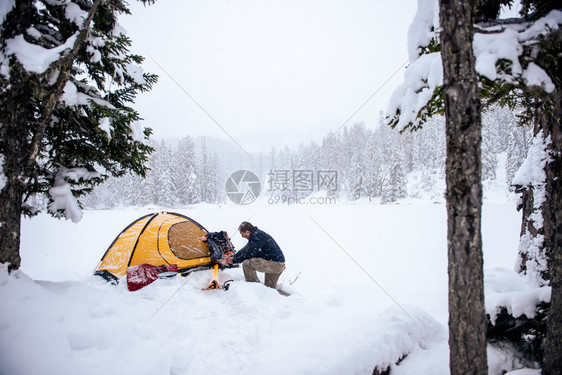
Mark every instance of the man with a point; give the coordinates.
(261, 253)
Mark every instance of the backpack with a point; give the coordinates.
(219, 245)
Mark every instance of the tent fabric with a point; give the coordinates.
(162, 238)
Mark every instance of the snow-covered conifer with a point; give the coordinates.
(185, 173)
(67, 79)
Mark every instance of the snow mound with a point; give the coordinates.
(56, 327)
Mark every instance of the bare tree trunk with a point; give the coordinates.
(467, 320)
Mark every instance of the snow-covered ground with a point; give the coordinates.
(369, 284)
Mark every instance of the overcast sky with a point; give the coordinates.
(268, 72)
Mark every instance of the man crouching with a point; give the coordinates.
(261, 253)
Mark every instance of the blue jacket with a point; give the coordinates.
(260, 245)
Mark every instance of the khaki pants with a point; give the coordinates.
(271, 269)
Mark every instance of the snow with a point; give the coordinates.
(489, 48)
(524, 371)
(531, 172)
(4, 66)
(532, 175)
(138, 131)
(72, 97)
(507, 44)
(32, 31)
(2, 176)
(75, 14)
(423, 75)
(420, 79)
(105, 125)
(5, 7)
(517, 303)
(368, 281)
(550, 21)
(136, 73)
(56, 317)
(501, 360)
(96, 54)
(423, 27)
(535, 76)
(35, 58)
(61, 194)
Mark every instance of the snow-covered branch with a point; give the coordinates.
(504, 54)
(61, 193)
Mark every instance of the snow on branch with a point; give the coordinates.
(423, 28)
(532, 171)
(72, 96)
(35, 58)
(489, 48)
(421, 79)
(517, 303)
(61, 193)
(38, 59)
(498, 53)
(5, 7)
(532, 175)
(2, 176)
(75, 14)
(536, 76)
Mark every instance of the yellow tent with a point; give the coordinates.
(163, 238)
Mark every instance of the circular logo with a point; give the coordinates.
(243, 187)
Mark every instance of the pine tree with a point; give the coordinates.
(541, 107)
(331, 158)
(357, 171)
(489, 149)
(208, 177)
(64, 127)
(164, 192)
(400, 182)
(517, 147)
(185, 173)
(373, 166)
(394, 187)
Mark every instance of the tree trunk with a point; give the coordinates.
(467, 320)
(12, 148)
(10, 223)
(552, 211)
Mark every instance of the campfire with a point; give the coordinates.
(215, 281)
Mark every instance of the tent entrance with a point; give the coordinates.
(184, 241)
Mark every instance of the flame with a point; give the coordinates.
(215, 281)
